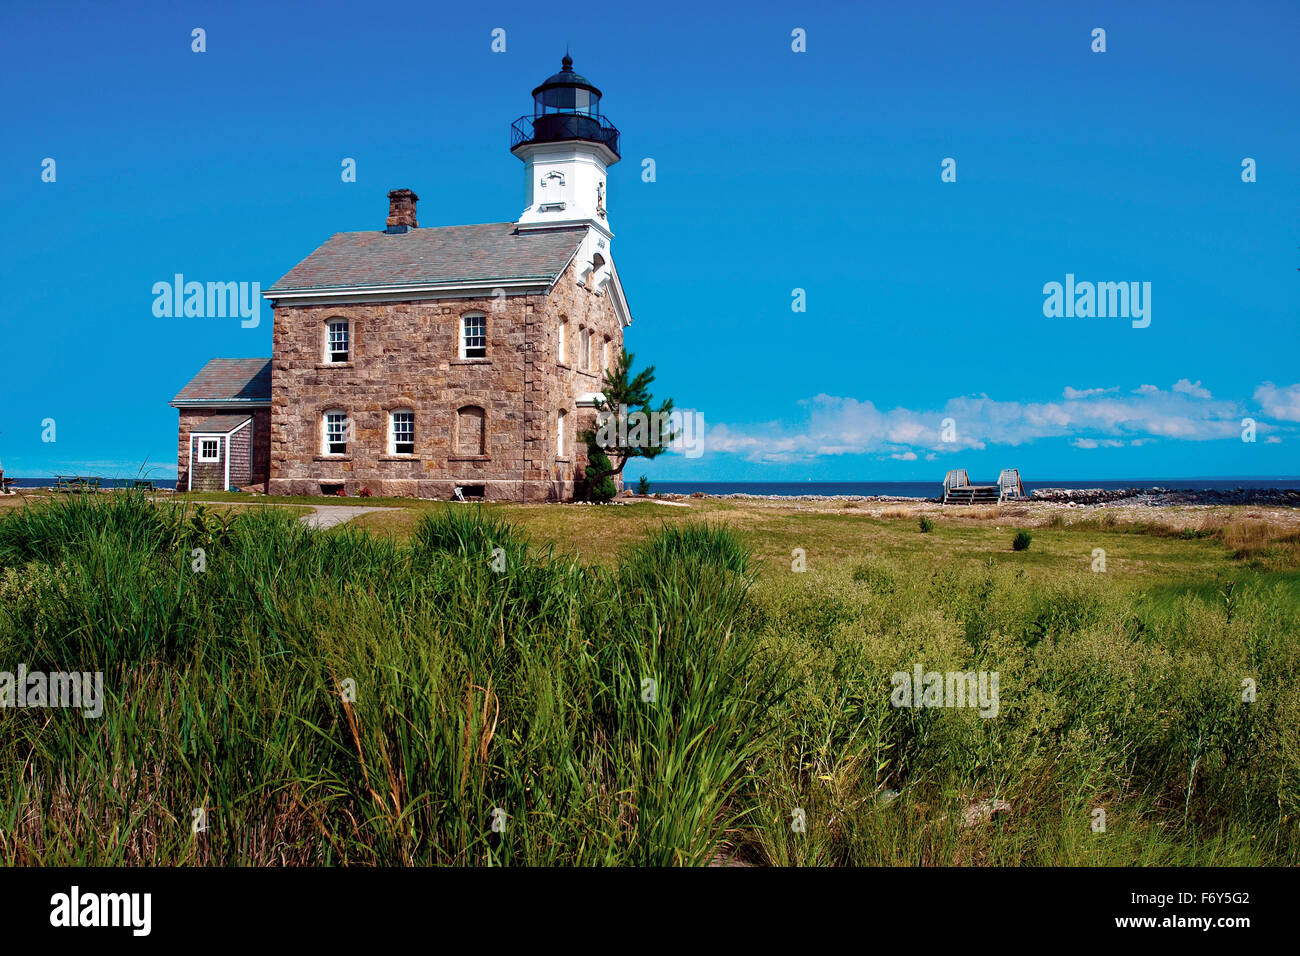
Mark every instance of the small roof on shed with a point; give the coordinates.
(220, 423)
(226, 381)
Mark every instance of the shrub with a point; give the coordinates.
(695, 543)
(602, 489)
(926, 525)
(466, 531)
(1021, 541)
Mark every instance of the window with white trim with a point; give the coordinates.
(401, 432)
(335, 433)
(209, 449)
(337, 340)
(473, 335)
(559, 433)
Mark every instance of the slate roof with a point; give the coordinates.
(220, 423)
(225, 380)
(492, 252)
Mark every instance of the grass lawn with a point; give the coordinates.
(648, 684)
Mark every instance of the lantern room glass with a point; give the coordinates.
(566, 99)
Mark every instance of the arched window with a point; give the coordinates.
(338, 340)
(401, 432)
(561, 350)
(584, 351)
(471, 430)
(473, 335)
(560, 444)
(335, 432)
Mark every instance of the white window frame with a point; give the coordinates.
(325, 432)
(560, 421)
(480, 319)
(392, 431)
(216, 456)
(330, 351)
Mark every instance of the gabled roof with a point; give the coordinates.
(220, 423)
(439, 257)
(225, 381)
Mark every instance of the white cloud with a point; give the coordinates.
(1087, 417)
(1283, 403)
(1192, 389)
(1073, 394)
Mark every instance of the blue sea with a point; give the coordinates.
(934, 489)
(837, 489)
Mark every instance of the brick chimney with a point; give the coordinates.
(401, 210)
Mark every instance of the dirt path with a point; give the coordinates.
(329, 516)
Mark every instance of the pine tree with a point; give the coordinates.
(628, 426)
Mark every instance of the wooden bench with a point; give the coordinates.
(75, 483)
(957, 490)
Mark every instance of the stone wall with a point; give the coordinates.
(405, 355)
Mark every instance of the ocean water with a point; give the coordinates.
(934, 489)
(833, 489)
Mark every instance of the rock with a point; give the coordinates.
(982, 812)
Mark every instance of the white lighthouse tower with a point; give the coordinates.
(567, 147)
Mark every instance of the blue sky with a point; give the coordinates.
(775, 171)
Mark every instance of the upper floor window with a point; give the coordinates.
(335, 433)
(561, 350)
(336, 340)
(584, 350)
(604, 355)
(401, 432)
(473, 335)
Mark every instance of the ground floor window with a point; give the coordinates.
(336, 433)
(403, 432)
(209, 449)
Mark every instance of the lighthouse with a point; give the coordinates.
(567, 147)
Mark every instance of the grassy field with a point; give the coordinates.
(649, 685)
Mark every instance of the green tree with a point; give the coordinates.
(628, 425)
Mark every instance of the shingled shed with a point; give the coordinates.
(225, 426)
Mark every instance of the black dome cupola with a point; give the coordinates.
(566, 106)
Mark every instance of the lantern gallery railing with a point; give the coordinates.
(555, 127)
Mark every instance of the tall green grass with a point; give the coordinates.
(338, 698)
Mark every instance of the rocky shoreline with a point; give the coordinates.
(1152, 497)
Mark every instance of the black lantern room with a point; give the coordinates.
(565, 107)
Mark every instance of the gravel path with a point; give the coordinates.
(328, 516)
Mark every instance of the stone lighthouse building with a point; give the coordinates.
(410, 360)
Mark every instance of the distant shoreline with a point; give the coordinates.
(1278, 492)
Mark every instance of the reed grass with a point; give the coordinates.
(466, 697)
